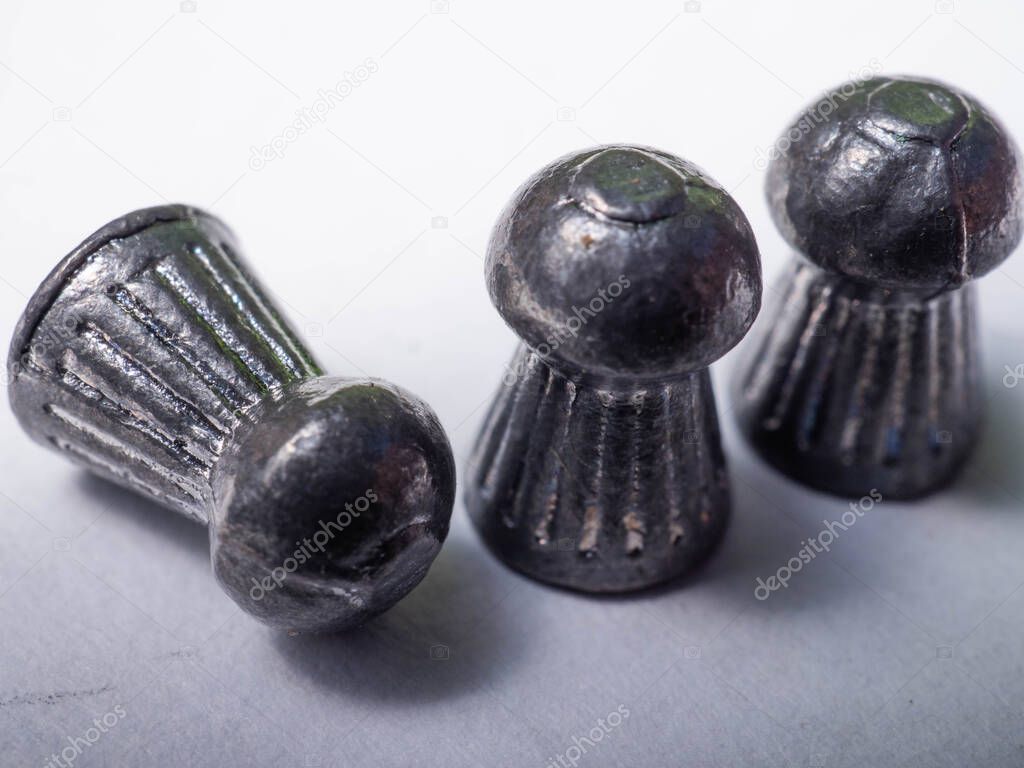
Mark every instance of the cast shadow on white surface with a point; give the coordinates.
(994, 473)
(444, 640)
(177, 530)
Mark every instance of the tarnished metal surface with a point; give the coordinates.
(152, 357)
(626, 271)
(864, 373)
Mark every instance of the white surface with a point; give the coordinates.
(900, 647)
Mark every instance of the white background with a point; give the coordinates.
(901, 647)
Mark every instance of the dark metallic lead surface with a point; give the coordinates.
(626, 271)
(864, 373)
(152, 357)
